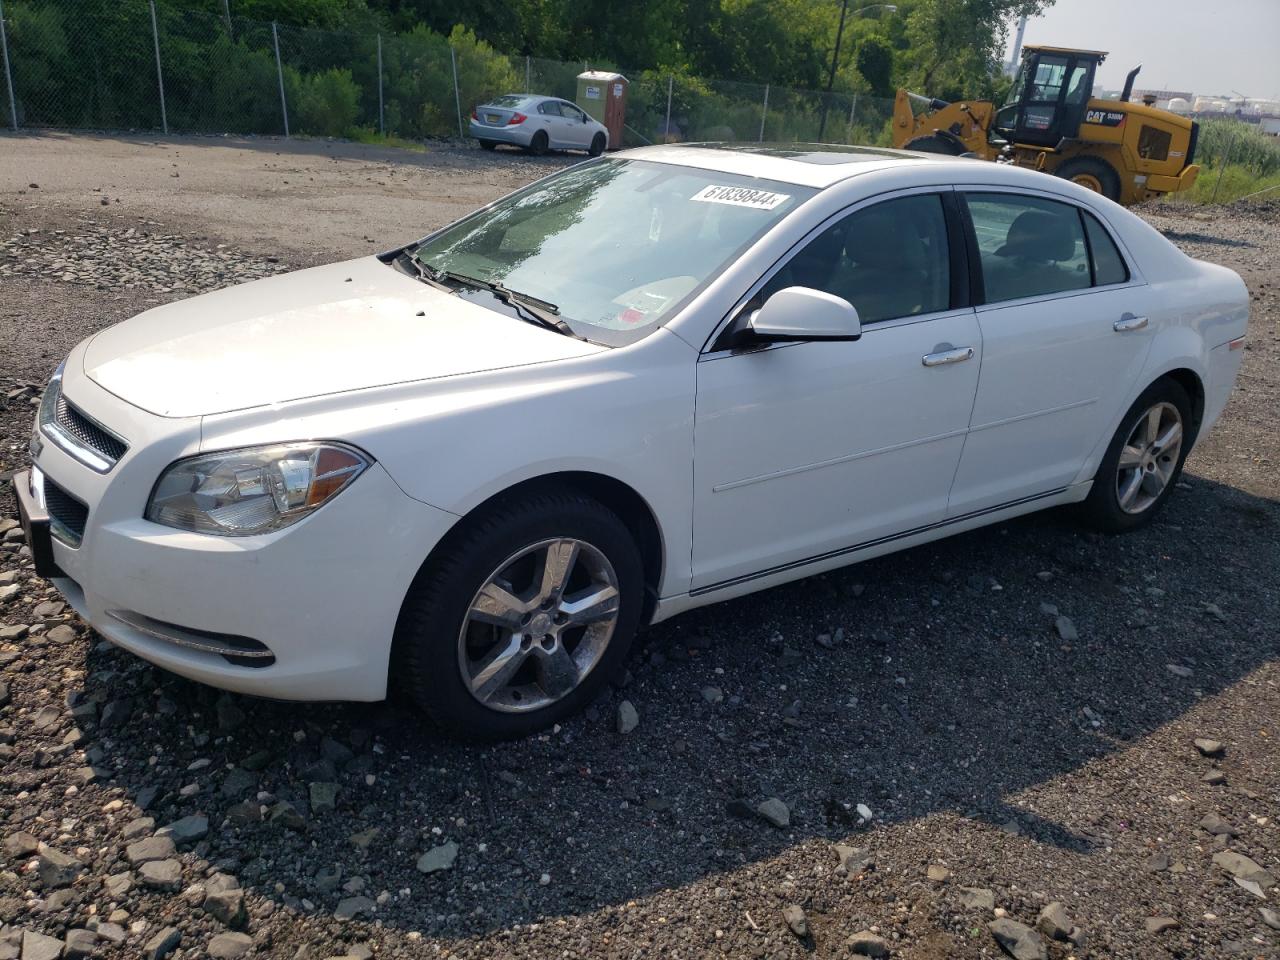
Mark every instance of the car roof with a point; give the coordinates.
(806, 164)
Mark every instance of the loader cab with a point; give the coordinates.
(1047, 101)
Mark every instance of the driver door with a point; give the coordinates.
(807, 451)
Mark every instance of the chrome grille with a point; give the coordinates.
(68, 515)
(84, 430)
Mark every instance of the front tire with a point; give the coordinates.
(527, 614)
(1143, 461)
(597, 145)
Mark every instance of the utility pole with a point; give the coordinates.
(835, 56)
(1017, 44)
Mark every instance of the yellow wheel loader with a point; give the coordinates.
(1051, 122)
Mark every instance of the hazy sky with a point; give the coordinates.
(1205, 46)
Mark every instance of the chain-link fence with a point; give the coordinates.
(141, 65)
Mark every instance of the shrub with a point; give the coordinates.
(325, 103)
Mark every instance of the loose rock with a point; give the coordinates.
(1018, 940)
(775, 812)
(230, 946)
(1054, 923)
(628, 717)
(795, 919)
(438, 858)
(163, 943)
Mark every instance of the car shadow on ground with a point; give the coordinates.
(929, 681)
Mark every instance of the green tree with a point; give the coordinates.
(955, 48)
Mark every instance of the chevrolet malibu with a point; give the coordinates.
(479, 463)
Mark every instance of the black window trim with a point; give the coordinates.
(976, 281)
(1088, 245)
(959, 268)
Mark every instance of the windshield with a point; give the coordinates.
(616, 246)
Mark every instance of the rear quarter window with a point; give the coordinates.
(1108, 265)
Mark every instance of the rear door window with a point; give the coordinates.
(1028, 246)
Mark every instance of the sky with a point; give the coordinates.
(1204, 46)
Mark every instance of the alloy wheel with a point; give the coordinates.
(539, 624)
(1149, 458)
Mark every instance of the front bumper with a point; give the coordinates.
(321, 596)
(1174, 184)
(520, 134)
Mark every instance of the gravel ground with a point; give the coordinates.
(916, 757)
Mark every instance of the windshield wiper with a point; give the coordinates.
(529, 308)
(424, 272)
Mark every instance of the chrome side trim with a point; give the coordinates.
(831, 554)
(80, 451)
(182, 638)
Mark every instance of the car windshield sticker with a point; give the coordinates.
(741, 197)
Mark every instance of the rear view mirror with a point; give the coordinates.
(802, 313)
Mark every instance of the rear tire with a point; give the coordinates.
(1093, 174)
(934, 144)
(597, 145)
(1127, 494)
(488, 595)
(489, 144)
(538, 145)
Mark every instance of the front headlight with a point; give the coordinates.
(48, 408)
(256, 490)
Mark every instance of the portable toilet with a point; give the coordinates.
(603, 95)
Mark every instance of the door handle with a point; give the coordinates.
(947, 356)
(1129, 322)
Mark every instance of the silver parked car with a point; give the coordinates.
(538, 124)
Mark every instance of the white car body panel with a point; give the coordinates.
(757, 467)
(323, 331)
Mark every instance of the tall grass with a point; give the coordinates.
(1253, 164)
(1251, 149)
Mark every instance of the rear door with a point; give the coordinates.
(1064, 334)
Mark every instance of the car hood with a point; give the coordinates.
(326, 330)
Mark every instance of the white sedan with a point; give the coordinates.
(538, 124)
(478, 464)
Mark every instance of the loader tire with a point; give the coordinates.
(1093, 174)
(933, 144)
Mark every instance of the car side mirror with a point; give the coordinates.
(802, 313)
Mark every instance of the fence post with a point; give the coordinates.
(528, 85)
(666, 131)
(155, 36)
(764, 112)
(284, 106)
(1225, 160)
(226, 9)
(457, 97)
(8, 75)
(853, 109)
(382, 126)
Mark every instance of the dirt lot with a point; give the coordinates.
(946, 755)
